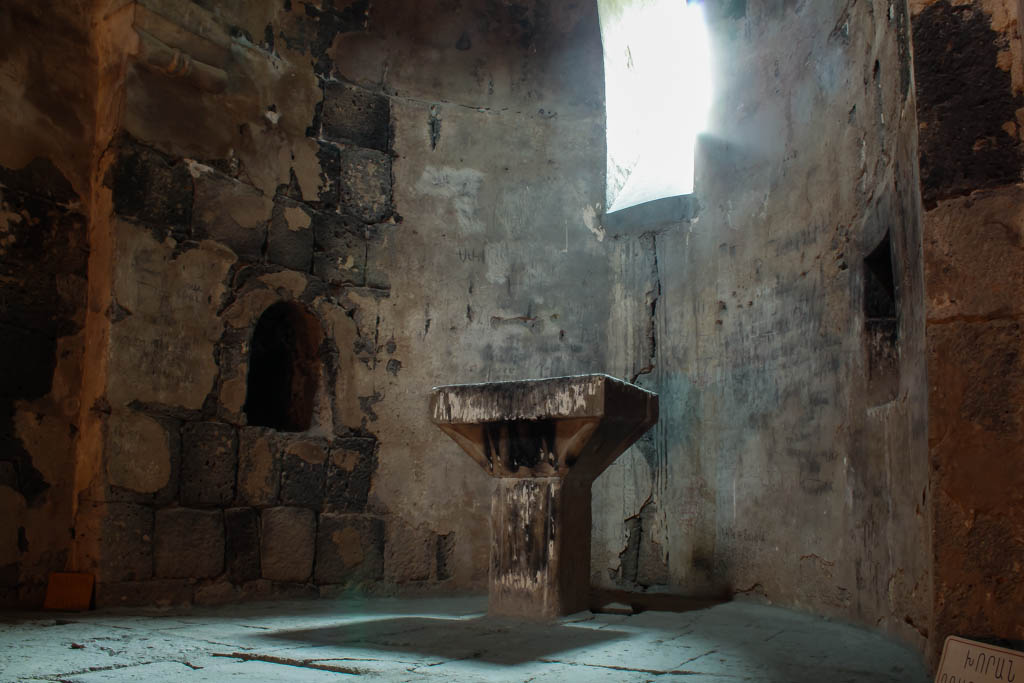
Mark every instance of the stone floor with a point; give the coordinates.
(443, 639)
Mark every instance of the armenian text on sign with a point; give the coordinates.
(968, 661)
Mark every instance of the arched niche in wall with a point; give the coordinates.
(284, 368)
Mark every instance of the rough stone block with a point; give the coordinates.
(379, 256)
(8, 475)
(152, 593)
(303, 471)
(364, 184)
(232, 213)
(445, 550)
(290, 241)
(165, 350)
(126, 540)
(287, 543)
(234, 380)
(141, 453)
(974, 266)
(259, 469)
(219, 593)
(189, 543)
(350, 474)
(410, 553)
(965, 143)
(340, 249)
(329, 157)
(42, 179)
(208, 463)
(355, 115)
(349, 548)
(242, 542)
(152, 190)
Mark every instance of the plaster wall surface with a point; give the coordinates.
(789, 463)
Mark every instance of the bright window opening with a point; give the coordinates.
(657, 96)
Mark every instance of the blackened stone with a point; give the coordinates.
(340, 243)
(155, 592)
(242, 536)
(964, 102)
(329, 22)
(218, 593)
(356, 116)
(232, 213)
(259, 467)
(379, 256)
(126, 542)
(350, 474)
(329, 157)
(152, 190)
(42, 298)
(302, 482)
(9, 574)
(189, 543)
(364, 184)
(290, 241)
(287, 543)
(8, 475)
(44, 239)
(31, 594)
(208, 462)
(445, 548)
(27, 360)
(41, 178)
(349, 548)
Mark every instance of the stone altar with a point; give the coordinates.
(545, 441)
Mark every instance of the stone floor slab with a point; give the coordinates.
(444, 639)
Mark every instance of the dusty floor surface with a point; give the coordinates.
(442, 639)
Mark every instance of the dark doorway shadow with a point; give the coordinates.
(491, 639)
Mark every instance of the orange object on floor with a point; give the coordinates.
(69, 591)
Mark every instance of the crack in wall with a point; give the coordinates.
(641, 562)
(653, 295)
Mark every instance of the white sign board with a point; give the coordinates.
(967, 661)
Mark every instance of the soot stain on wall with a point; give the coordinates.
(964, 100)
(43, 265)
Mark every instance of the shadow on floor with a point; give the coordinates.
(490, 639)
(601, 598)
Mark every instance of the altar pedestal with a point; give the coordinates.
(546, 441)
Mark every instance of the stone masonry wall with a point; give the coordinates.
(46, 125)
(970, 82)
(418, 182)
(782, 325)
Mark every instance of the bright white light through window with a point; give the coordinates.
(657, 96)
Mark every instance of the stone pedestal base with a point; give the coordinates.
(540, 547)
(545, 441)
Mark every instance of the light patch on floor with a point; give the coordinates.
(443, 639)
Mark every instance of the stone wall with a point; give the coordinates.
(47, 126)
(970, 82)
(420, 185)
(790, 463)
